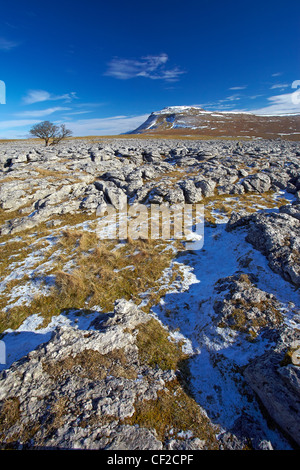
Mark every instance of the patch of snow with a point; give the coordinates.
(176, 109)
(218, 352)
(30, 335)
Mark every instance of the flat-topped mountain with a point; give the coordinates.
(195, 121)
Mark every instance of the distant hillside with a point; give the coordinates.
(195, 121)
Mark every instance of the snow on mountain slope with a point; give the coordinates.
(198, 122)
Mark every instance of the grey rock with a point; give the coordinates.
(259, 182)
(175, 195)
(244, 307)
(114, 195)
(92, 200)
(207, 186)
(131, 438)
(192, 194)
(186, 444)
(277, 236)
(277, 386)
(292, 210)
(238, 219)
(101, 155)
(85, 395)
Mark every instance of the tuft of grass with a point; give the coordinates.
(239, 319)
(225, 204)
(12, 252)
(155, 348)
(92, 365)
(9, 413)
(100, 274)
(172, 412)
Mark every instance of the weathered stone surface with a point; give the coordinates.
(277, 236)
(244, 307)
(114, 195)
(207, 186)
(63, 399)
(259, 182)
(192, 194)
(277, 385)
(61, 373)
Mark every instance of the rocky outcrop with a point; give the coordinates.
(276, 381)
(41, 183)
(77, 390)
(259, 182)
(277, 236)
(244, 307)
(90, 388)
(80, 386)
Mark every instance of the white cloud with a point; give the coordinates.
(238, 87)
(106, 126)
(277, 74)
(19, 128)
(280, 85)
(77, 112)
(38, 96)
(288, 103)
(13, 123)
(42, 112)
(254, 97)
(152, 67)
(7, 45)
(235, 97)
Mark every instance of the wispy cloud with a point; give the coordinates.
(38, 96)
(77, 112)
(41, 112)
(151, 66)
(254, 97)
(106, 126)
(235, 97)
(222, 104)
(13, 123)
(277, 74)
(114, 125)
(94, 104)
(238, 87)
(288, 103)
(280, 85)
(7, 45)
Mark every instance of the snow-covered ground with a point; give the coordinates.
(187, 309)
(219, 352)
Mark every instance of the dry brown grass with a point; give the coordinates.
(225, 204)
(239, 318)
(9, 413)
(12, 252)
(155, 348)
(174, 408)
(172, 412)
(92, 365)
(99, 275)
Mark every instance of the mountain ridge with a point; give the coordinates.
(178, 120)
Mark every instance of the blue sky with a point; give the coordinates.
(102, 67)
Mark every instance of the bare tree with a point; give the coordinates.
(51, 133)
